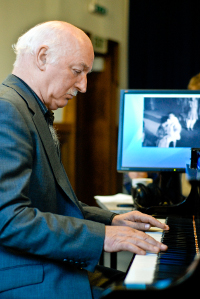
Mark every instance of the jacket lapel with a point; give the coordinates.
(45, 136)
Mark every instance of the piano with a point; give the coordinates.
(177, 269)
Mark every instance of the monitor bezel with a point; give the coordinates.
(123, 92)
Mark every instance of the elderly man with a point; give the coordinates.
(50, 243)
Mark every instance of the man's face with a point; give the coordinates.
(63, 80)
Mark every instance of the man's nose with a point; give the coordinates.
(81, 84)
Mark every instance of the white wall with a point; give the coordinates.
(16, 16)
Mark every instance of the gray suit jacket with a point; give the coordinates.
(48, 239)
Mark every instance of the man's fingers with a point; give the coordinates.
(145, 226)
(147, 219)
(152, 241)
(137, 247)
(145, 222)
(128, 239)
(145, 245)
(138, 221)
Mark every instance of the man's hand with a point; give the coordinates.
(124, 234)
(138, 221)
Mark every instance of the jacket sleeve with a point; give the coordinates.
(98, 214)
(23, 226)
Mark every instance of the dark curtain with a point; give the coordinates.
(164, 43)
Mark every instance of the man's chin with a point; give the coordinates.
(60, 104)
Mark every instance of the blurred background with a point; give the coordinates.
(138, 44)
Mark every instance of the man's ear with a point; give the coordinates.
(41, 57)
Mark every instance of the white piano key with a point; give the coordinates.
(143, 266)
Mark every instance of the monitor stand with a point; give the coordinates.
(180, 206)
(170, 185)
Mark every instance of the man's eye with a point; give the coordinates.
(77, 72)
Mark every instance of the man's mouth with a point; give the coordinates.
(72, 94)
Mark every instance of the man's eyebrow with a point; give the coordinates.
(85, 66)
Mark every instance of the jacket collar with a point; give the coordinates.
(40, 123)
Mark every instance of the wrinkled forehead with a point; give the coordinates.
(79, 53)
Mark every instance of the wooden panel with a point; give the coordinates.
(66, 134)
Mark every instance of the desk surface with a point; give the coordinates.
(114, 203)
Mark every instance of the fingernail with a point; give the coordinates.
(164, 247)
(147, 226)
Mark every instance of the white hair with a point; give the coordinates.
(49, 34)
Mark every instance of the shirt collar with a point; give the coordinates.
(48, 114)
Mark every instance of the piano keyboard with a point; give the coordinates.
(182, 241)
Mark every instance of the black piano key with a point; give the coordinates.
(181, 249)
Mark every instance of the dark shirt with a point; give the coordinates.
(48, 114)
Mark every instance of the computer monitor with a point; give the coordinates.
(157, 129)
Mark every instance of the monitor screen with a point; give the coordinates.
(157, 129)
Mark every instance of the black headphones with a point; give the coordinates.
(145, 197)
